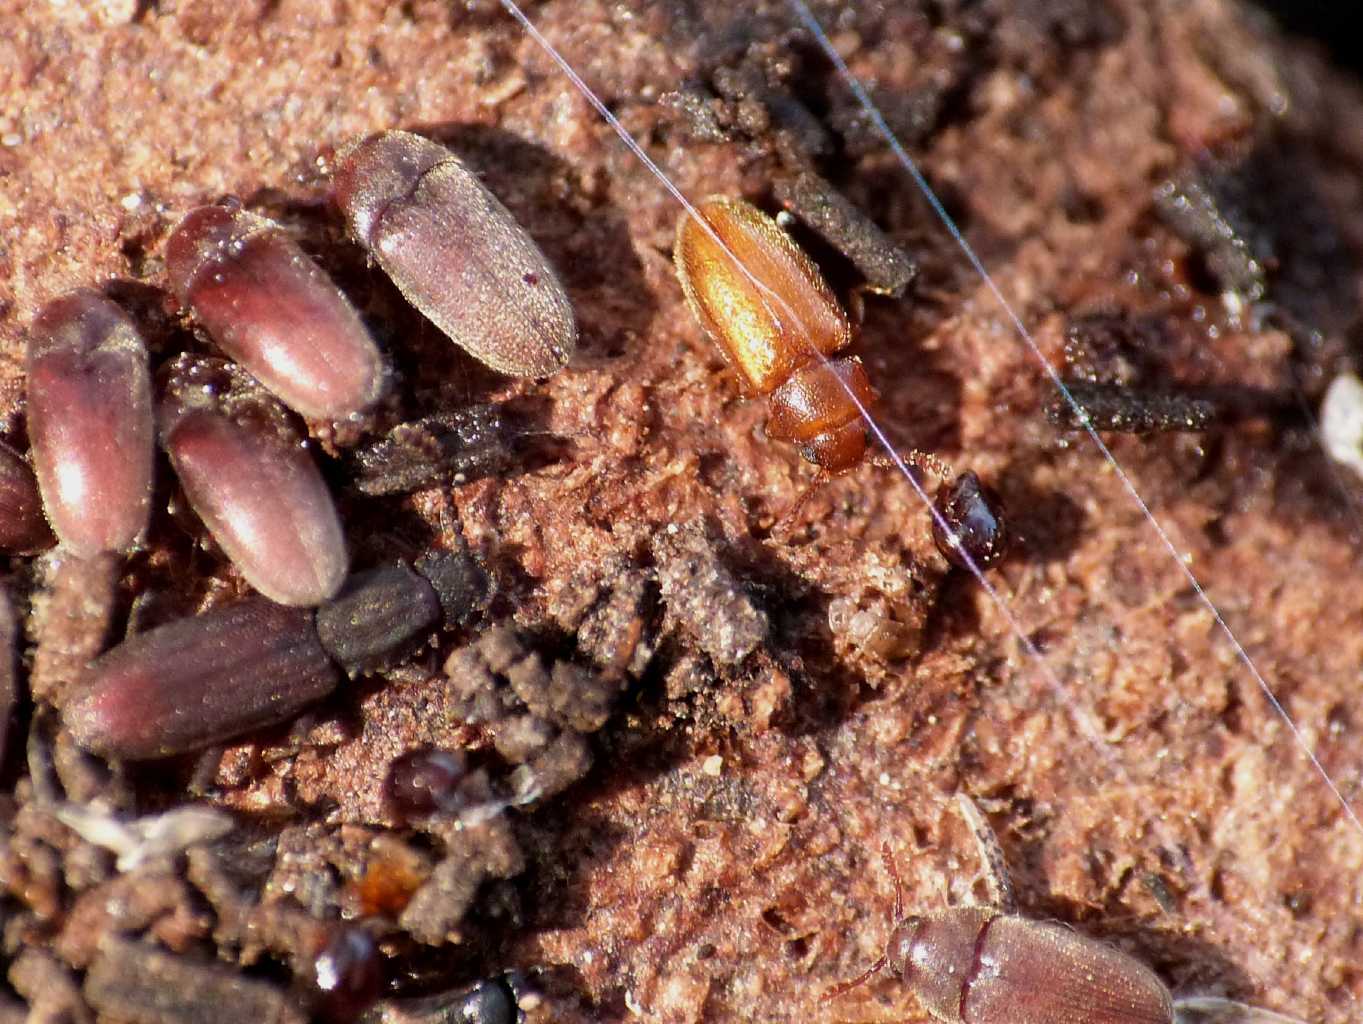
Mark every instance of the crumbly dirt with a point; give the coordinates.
(788, 703)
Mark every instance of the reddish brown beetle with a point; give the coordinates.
(90, 422)
(990, 965)
(274, 311)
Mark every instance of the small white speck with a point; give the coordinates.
(130, 202)
(11, 139)
(1341, 421)
(713, 766)
(328, 976)
(884, 779)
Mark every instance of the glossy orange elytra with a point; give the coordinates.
(779, 324)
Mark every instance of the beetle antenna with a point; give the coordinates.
(888, 854)
(842, 988)
(925, 461)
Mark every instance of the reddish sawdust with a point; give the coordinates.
(721, 861)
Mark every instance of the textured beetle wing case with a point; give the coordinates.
(461, 251)
(197, 680)
(1038, 972)
(457, 254)
(275, 311)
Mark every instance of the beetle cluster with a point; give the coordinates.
(231, 432)
(298, 348)
(236, 450)
(455, 252)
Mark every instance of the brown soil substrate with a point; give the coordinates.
(760, 714)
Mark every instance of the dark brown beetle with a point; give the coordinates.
(22, 526)
(194, 682)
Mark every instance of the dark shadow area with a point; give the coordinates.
(1045, 526)
(1275, 206)
(1309, 485)
(955, 612)
(1331, 24)
(920, 393)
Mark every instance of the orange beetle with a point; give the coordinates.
(774, 322)
(777, 321)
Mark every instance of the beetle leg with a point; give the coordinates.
(790, 518)
(996, 878)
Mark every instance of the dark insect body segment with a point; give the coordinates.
(1201, 209)
(198, 681)
(1112, 377)
(23, 529)
(774, 326)
(490, 1001)
(456, 253)
(462, 445)
(191, 683)
(379, 615)
(254, 486)
(977, 523)
(424, 780)
(274, 311)
(888, 270)
(347, 975)
(90, 422)
(1117, 407)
